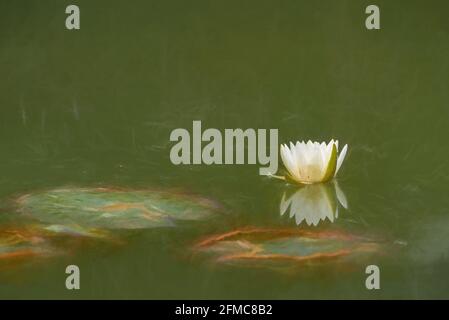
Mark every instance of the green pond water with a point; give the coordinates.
(94, 108)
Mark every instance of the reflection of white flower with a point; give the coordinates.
(314, 203)
(312, 162)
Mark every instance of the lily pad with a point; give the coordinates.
(270, 247)
(23, 242)
(88, 209)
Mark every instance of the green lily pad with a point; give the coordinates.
(86, 209)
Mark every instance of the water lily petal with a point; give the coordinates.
(298, 160)
(323, 155)
(341, 157)
(331, 165)
(287, 159)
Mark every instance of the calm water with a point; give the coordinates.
(95, 107)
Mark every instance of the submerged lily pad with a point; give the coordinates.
(82, 209)
(264, 246)
(23, 242)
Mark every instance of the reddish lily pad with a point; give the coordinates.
(18, 243)
(270, 247)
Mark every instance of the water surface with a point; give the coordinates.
(95, 108)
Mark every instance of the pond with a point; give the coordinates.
(86, 177)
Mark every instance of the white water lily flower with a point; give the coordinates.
(314, 203)
(312, 162)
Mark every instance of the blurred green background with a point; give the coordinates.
(96, 107)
